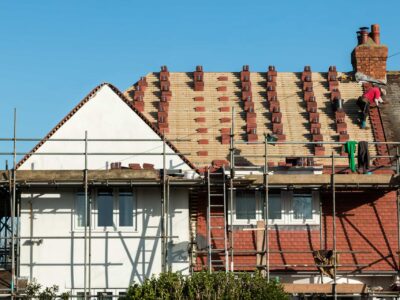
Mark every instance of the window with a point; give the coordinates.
(104, 295)
(122, 295)
(111, 208)
(274, 207)
(125, 208)
(81, 295)
(105, 207)
(246, 205)
(286, 207)
(302, 207)
(80, 210)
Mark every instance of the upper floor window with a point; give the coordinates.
(105, 208)
(114, 207)
(286, 207)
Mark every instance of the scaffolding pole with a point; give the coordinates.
(266, 206)
(167, 227)
(232, 159)
(163, 206)
(398, 210)
(13, 206)
(334, 226)
(85, 220)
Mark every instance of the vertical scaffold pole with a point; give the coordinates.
(334, 224)
(13, 206)
(89, 216)
(232, 158)
(86, 222)
(167, 228)
(163, 246)
(266, 205)
(398, 231)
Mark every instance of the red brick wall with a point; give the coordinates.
(370, 60)
(366, 221)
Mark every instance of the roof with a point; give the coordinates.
(205, 116)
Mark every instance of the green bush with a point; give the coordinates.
(203, 285)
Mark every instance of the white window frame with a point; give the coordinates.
(75, 211)
(258, 210)
(287, 212)
(314, 213)
(94, 213)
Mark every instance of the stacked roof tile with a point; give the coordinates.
(202, 105)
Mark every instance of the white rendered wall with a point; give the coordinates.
(104, 116)
(117, 258)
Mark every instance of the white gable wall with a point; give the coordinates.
(52, 246)
(104, 116)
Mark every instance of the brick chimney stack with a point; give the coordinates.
(369, 57)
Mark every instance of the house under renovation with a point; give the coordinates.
(230, 171)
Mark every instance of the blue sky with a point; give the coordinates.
(54, 52)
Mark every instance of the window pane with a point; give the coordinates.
(80, 210)
(245, 205)
(105, 209)
(275, 207)
(125, 208)
(81, 295)
(302, 206)
(104, 295)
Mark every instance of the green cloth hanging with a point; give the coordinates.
(350, 149)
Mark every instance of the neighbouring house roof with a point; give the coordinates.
(83, 102)
(205, 116)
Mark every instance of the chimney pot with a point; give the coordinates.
(199, 68)
(271, 68)
(364, 34)
(376, 35)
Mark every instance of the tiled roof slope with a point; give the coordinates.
(187, 117)
(391, 110)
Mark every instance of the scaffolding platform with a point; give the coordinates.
(322, 180)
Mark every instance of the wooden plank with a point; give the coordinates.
(261, 243)
(325, 179)
(77, 175)
(293, 288)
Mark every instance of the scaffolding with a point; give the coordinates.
(10, 236)
(10, 226)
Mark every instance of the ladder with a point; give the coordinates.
(217, 238)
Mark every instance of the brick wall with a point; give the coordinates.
(366, 221)
(369, 57)
(371, 60)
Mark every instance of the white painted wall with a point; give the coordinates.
(103, 116)
(117, 258)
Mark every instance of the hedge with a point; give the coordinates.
(204, 285)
